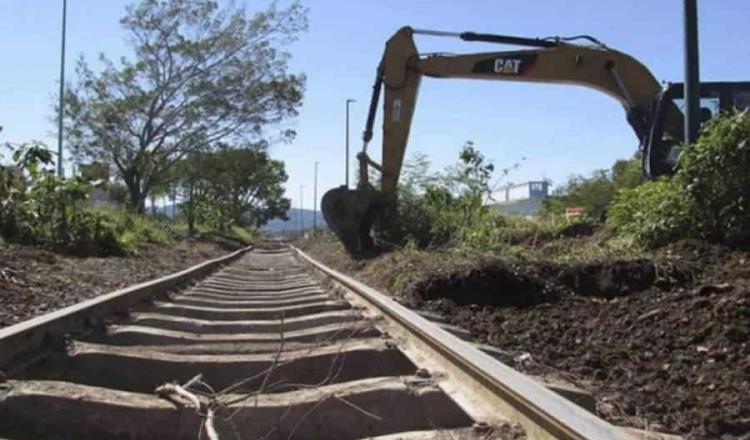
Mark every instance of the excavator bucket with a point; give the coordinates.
(350, 215)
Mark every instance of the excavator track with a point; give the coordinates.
(272, 345)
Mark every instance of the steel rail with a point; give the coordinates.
(495, 389)
(49, 329)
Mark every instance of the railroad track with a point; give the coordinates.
(272, 345)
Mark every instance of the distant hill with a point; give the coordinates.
(293, 224)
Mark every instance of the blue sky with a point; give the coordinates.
(560, 130)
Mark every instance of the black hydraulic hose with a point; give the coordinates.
(506, 39)
(367, 135)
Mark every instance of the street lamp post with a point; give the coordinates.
(348, 101)
(692, 72)
(62, 91)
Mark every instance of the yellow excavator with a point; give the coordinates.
(650, 108)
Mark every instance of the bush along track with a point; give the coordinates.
(661, 342)
(39, 208)
(708, 198)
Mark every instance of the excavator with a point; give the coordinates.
(650, 109)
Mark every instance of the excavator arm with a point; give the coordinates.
(656, 122)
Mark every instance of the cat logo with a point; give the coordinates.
(508, 66)
(511, 64)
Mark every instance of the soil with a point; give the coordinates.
(35, 281)
(662, 343)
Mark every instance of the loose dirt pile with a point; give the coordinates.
(34, 281)
(662, 344)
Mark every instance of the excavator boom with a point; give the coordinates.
(657, 123)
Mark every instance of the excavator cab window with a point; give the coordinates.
(710, 106)
(716, 97)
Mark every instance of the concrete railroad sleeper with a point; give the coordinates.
(272, 345)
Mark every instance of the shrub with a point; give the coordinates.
(131, 230)
(715, 174)
(245, 234)
(118, 193)
(439, 219)
(709, 197)
(447, 210)
(37, 207)
(652, 214)
(596, 192)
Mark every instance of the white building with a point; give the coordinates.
(520, 199)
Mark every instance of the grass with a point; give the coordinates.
(399, 271)
(241, 233)
(600, 246)
(132, 231)
(248, 236)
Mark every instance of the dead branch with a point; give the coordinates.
(178, 395)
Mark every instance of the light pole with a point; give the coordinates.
(692, 73)
(348, 101)
(315, 200)
(62, 90)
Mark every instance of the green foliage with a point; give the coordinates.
(133, 229)
(652, 214)
(708, 198)
(37, 207)
(437, 211)
(118, 193)
(247, 235)
(241, 186)
(447, 210)
(715, 174)
(471, 175)
(198, 74)
(594, 193)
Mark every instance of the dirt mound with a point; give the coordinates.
(497, 284)
(609, 279)
(662, 343)
(680, 360)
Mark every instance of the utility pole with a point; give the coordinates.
(62, 91)
(692, 72)
(315, 200)
(348, 101)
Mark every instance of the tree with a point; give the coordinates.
(595, 193)
(246, 183)
(200, 74)
(191, 188)
(241, 186)
(472, 174)
(627, 173)
(416, 174)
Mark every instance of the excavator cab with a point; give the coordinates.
(661, 154)
(652, 110)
